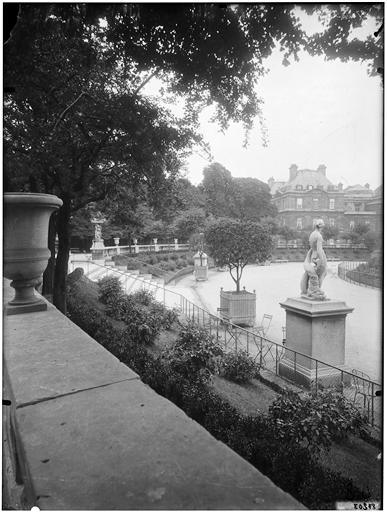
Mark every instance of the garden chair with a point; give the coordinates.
(263, 327)
(362, 387)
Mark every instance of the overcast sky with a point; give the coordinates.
(315, 112)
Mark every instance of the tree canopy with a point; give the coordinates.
(235, 243)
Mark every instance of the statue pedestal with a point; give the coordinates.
(315, 329)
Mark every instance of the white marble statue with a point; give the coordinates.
(315, 266)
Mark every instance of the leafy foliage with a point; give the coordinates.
(239, 367)
(235, 243)
(195, 353)
(316, 420)
(142, 314)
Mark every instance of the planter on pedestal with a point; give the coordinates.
(238, 307)
(26, 254)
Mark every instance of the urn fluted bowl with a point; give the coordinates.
(26, 218)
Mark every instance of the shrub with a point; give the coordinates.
(180, 263)
(239, 367)
(195, 353)
(109, 289)
(153, 259)
(133, 265)
(144, 297)
(171, 266)
(321, 488)
(315, 420)
(163, 316)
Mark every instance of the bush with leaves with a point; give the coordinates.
(109, 289)
(195, 353)
(239, 367)
(316, 420)
(143, 297)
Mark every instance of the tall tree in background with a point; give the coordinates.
(218, 190)
(252, 199)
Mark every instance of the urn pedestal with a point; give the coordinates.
(315, 334)
(26, 254)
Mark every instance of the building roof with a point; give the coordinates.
(354, 189)
(307, 177)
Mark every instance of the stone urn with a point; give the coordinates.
(26, 218)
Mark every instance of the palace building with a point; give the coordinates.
(309, 195)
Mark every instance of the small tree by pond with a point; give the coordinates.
(235, 243)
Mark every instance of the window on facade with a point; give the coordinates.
(315, 222)
(331, 222)
(299, 202)
(299, 223)
(309, 187)
(331, 204)
(352, 224)
(298, 187)
(315, 203)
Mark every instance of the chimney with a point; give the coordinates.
(322, 169)
(270, 181)
(340, 187)
(292, 172)
(367, 185)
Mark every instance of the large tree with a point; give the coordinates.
(218, 191)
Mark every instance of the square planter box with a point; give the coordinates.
(238, 307)
(201, 273)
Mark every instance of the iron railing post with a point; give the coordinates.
(316, 387)
(260, 353)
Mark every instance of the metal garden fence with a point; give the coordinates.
(352, 272)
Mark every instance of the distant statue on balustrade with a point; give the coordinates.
(98, 233)
(315, 266)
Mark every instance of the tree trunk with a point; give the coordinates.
(48, 276)
(62, 259)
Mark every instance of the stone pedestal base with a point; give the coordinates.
(325, 376)
(39, 305)
(315, 334)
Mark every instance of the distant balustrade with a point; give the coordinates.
(113, 250)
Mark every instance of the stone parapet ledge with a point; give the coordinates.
(83, 432)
